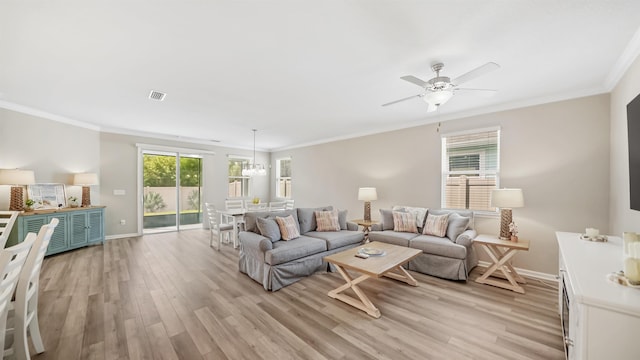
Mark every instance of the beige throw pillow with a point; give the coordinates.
(327, 220)
(436, 225)
(288, 227)
(404, 222)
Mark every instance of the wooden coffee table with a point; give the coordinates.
(388, 265)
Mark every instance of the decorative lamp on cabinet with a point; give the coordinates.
(505, 200)
(86, 180)
(17, 179)
(367, 194)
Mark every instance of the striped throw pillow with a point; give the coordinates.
(404, 222)
(436, 225)
(288, 227)
(327, 220)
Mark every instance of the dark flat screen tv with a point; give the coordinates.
(633, 126)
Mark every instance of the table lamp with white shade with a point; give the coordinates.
(505, 200)
(367, 194)
(17, 179)
(86, 180)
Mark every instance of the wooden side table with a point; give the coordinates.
(500, 252)
(366, 227)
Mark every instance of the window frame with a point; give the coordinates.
(242, 159)
(279, 178)
(483, 171)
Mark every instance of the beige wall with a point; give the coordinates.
(53, 150)
(621, 215)
(558, 153)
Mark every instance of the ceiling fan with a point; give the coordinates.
(440, 89)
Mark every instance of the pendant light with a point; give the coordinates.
(254, 169)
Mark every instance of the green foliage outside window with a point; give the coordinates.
(160, 170)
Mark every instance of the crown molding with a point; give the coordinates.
(629, 55)
(46, 115)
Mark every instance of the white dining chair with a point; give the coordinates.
(257, 207)
(277, 205)
(11, 262)
(24, 308)
(7, 219)
(234, 204)
(289, 204)
(220, 225)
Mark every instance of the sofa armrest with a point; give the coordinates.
(376, 227)
(254, 244)
(466, 238)
(352, 226)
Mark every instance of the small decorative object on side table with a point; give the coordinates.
(366, 227)
(492, 245)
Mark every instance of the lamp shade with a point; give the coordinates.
(367, 194)
(17, 177)
(85, 179)
(507, 198)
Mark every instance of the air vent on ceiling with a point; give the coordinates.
(156, 95)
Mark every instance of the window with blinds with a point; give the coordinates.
(470, 169)
(283, 178)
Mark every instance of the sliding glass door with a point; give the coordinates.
(172, 191)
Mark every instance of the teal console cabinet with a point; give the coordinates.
(77, 227)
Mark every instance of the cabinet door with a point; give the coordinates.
(95, 231)
(59, 238)
(79, 228)
(32, 224)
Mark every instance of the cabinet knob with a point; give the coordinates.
(568, 341)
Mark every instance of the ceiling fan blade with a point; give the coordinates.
(414, 80)
(407, 98)
(477, 72)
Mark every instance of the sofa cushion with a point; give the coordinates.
(419, 212)
(386, 218)
(436, 225)
(438, 246)
(338, 239)
(285, 251)
(288, 227)
(465, 213)
(327, 220)
(269, 228)
(457, 225)
(392, 237)
(307, 218)
(342, 219)
(404, 222)
(250, 218)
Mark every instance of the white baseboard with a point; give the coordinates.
(527, 273)
(121, 236)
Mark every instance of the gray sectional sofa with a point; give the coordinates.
(449, 257)
(276, 263)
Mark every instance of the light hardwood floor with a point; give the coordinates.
(171, 296)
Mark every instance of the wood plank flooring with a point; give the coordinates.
(171, 296)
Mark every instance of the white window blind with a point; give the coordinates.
(283, 178)
(470, 169)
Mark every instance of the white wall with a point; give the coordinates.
(53, 150)
(621, 215)
(558, 153)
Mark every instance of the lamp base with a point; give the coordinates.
(17, 201)
(367, 210)
(86, 196)
(505, 220)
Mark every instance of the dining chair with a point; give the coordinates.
(218, 228)
(7, 219)
(25, 305)
(234, 204)
(277, 205)
(257, 207)
(289, 204)
(11, 262)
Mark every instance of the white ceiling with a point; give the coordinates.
(299, 71)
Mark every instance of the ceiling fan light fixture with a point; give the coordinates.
(437, 98)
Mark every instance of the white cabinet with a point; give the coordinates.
(601, 319)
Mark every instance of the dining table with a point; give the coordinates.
(237, 216)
